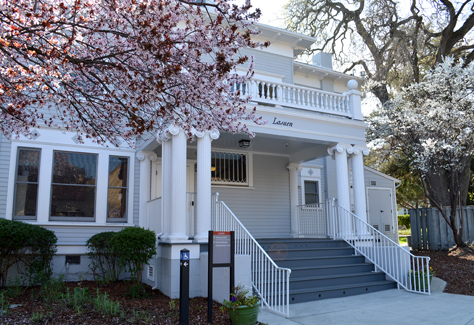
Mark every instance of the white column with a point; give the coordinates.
(166, 167)
(294, 168)
(203, 195)
(342, 177)
(355, 105)
(178, 186)
(359, 182)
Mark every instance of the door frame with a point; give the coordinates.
(393, 230)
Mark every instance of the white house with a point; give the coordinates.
(277, 185)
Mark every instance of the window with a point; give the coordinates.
(117, 194)
(26, 184)
(229, 168)
(311, 192)
(73, 188)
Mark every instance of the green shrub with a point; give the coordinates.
(104, 261)
(77, 299)
(103, 303)
(29, 247)
(135, 247)
(404, 220)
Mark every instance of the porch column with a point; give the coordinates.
(359, 181)
(178, 186)
(294, 169)
(144, 187)
(166, 165)
(342, 176)
(203, 195)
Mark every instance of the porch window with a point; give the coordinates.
(117, 194)
(311, 192)
(73, 188)
(26, 184)
(229, 168)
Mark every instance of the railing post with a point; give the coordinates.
(355, 105)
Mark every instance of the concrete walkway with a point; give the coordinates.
(385, 307)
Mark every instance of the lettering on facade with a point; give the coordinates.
(284, 123)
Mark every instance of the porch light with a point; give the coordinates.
(244, 143)
(213, 169)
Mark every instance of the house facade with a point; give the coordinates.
(276, 184)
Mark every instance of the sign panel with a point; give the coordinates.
(221, 247)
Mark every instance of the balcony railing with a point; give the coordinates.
(280, 94)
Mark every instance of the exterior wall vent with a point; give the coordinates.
(373, 183)
(73, 259)
(151, 272)
(376, 227)
(387, 228)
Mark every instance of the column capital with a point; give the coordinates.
(294, 166)
(213, 134)
(173, 129)
(360, 150)
(340, 147)
(152, 156)
(142, 155)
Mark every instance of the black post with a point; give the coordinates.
(209, 277)
(184, 287)
(232, 263)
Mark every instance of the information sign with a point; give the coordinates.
(221, 248)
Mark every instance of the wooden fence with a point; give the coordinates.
(429, 230)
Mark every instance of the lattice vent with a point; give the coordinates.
(151, 272)
(387, 228)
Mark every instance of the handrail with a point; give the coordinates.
(271, 282)
(410, 272)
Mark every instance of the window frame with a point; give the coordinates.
(51, 184)
(316, 178)
(20, 217)
(125, 218)
(248, 169)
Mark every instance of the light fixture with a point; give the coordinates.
(244, 143)
(213, 169)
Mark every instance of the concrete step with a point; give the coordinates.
(321, 261)
(312, 294)
(335, 280)
(282, 254)
(306, 271)
(288, 243)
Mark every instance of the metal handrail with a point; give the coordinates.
(270, 281)
(409, 271)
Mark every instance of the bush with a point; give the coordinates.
(129, 249)
(135, 246)
(404, 220)
(31, 248)
(104, 259)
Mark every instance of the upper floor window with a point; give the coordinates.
(229, 168)
(26, 183)
(311, 192)
(73, 188)
(117, 194)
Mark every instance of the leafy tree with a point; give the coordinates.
(432, 123)
(120, 68)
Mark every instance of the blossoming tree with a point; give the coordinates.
(432, 123)
(119, 68)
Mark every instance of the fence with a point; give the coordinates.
(429, 230)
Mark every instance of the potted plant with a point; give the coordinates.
(419, 280)
(242, 307)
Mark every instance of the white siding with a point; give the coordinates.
(5, 149)
(76, 234)
(265, 210)
(272, 63)
(136, 193)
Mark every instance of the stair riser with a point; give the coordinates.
(297, 284)
(303, 297)
(327, 244)
(332, 271)
(321, 261)
(279, 255)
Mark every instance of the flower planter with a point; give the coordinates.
(418, 283)
(244, 315)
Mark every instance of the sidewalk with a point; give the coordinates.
(385, 307)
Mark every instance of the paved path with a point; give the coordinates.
(385, 307)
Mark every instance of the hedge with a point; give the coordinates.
(31, 248)
(404, 220)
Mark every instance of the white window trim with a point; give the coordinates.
(311, 179)
(45, 177)
(249, 170)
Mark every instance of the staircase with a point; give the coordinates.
(324, 268)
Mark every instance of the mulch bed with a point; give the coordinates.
(457, 270)
(154, 309)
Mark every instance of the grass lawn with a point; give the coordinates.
(402, 240)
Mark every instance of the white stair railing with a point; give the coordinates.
(271, 282)
(411, 272)
(312, 219)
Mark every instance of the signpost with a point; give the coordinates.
(221, 254)
(184, 287)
